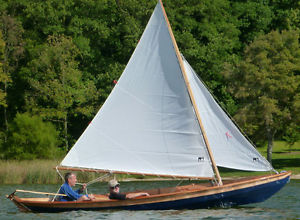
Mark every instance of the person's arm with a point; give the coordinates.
(73, 195)
(134, 195)
(81, 189)
(86, 196)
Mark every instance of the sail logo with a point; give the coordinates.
(228, 136)
(200, 159)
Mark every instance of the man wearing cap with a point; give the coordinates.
(114, 192)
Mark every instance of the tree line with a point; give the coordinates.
(59, 58)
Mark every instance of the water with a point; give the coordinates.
(283, 205)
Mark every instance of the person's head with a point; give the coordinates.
(71, 179)
(114, 186)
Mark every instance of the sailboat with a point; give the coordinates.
(161, 120)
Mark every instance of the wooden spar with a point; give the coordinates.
(42, 193)
(192, 96)
(132, 173)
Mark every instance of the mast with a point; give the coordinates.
(215, 168)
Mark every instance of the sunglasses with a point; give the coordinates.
(115, 186)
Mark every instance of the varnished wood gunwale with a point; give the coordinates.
(187, 192)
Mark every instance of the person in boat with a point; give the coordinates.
(114, 192)
(71, 195)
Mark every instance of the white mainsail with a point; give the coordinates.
(148, 124)
(230, 148)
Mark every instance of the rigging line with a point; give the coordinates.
(57, 170)
(86, 192)
(179, 182)
(98, 179)
(56, 193)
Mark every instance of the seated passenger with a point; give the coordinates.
(71, 195)
(114, 192)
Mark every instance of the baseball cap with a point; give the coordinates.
(113, 183)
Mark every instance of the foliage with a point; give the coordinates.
(60, 58)
(11, 54)
(267, 82)
(254, 18)
(3, 79)
(292, 134)
(57, 88)
(3, 76)
(30, 138)
(39, 171)
(207, 34)
(286, 14)
(12, 31)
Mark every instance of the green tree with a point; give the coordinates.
(254, 18)
(207, 34)
(12, 32)
(286, 14)
(58, 90)
(267, 84)
(292, 133)
(3, 76)
(30, 138)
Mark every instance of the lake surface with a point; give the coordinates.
(283, 205)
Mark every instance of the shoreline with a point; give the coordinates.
(42, 172)
(295, 177)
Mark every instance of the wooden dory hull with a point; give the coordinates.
(190, 197)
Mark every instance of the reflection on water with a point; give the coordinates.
(283, 205)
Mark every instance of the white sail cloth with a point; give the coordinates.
(147, 125)
(229, 147)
